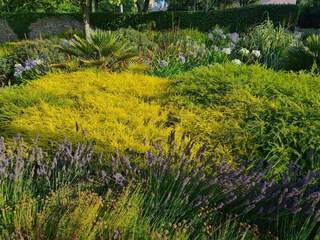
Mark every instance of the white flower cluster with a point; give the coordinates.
(226, 51)
(236, 61)
(245, 52)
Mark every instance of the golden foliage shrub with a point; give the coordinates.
(117, 111)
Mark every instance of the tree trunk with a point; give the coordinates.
(86, 18)
(146, 5)
(95, 5)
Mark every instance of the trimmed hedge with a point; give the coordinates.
(236, 19)
(310, 18)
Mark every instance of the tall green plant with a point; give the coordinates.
(270, 40)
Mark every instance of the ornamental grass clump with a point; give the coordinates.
(270, 40)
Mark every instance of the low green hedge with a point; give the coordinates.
(236, 19)
(309, 18)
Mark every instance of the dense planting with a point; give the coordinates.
(249, 111)
(116, 111)
(71, 195)
(177, 134)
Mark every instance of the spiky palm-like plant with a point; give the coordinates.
(104, 48)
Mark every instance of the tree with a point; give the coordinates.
(86, 7)
(28, 5)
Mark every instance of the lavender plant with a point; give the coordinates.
(178, 183)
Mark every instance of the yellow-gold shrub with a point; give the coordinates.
(117, 111)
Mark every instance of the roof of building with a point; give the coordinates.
(278, 1)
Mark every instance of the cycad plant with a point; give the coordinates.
(304, 56)
(104, 48)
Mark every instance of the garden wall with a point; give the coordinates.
(6, 33)
(237, 19)
(54, 25)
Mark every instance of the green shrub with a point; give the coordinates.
(253, 112)
(303, 56)
(238, 19)
(142, 39)
(178, 51)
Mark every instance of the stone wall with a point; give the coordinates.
(6, 33)
(54, 25)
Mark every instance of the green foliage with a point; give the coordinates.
(45, 51)
(256, 113)
(309, 3)
(304, 56)
(270, 40)
(238, 19)
(142, 39)
(104, 48)
(177, 51)
(26, 5)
